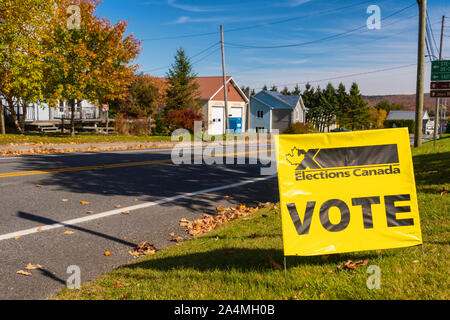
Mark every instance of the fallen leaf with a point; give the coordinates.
(127, 213)
(219, 208)
(85, 202)
(38, 186)
(378, 251)
(107, 253)
(117, 206)
(24, 273)
(142, 249)
(90, 212)
(65, 200)
(274, 264)
(176, 239)
(69, 232)
(443, 192)
(39, 229)
(33, 267)
(353, 265)
(172, 234)
(415, 261)
(16, 237)
(330, 271)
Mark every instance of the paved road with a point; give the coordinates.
(157, 192)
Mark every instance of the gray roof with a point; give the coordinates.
(291, 100)
(403, 115)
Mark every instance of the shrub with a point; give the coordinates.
(299, 128)
(160, 128)
(400, 124)
(182, 119)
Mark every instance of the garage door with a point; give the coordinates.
(217, 123)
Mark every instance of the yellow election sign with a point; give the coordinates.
(347, 191)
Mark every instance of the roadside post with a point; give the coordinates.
(347, 192)
(105, 109)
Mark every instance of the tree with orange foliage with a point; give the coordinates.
(377, 117)
(90, 61)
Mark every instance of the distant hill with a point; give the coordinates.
(408, 100)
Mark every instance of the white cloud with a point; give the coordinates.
(191, 8)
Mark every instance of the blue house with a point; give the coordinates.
(270, 110)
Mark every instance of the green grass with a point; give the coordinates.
(54, 138)
(230, 263)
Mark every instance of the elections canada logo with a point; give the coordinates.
(346, 162)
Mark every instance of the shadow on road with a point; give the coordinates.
(151, 182)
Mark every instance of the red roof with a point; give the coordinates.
(209, 89)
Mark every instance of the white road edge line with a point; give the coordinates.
(68, 223)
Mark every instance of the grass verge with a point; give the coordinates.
(55, 138)
(233, 261)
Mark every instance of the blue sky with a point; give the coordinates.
(165, 25)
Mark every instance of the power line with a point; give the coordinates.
(261, 24)
(354, 45)
(346, 76)
(244, 46)
(195, 55)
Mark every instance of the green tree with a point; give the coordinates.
(265, 88)
(330, 105)
(274, 88)
(296, 90)
(388, 106)
(357, 115)
(286, 91)
(343, 103)
(183, 90)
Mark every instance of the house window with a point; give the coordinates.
(260, 129)
(260, 114)
(297, 115)
(61, 106)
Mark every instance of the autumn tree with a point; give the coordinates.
(89, 62)
(377, 117)
(24, 27)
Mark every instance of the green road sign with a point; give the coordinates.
(440, 70)
(440, 77)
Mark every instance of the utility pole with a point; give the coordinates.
(437, 121)
(227, 122)
(420, 73)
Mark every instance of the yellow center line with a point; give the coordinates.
(110, 166)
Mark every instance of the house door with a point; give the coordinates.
(217, 123)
